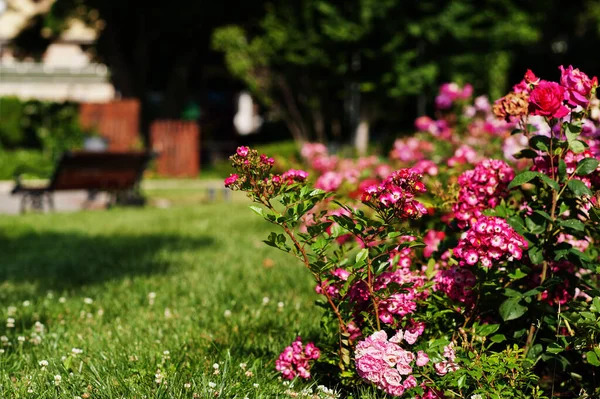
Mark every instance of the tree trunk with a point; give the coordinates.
(361, 137)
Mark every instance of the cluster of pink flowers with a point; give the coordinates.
(432, 240)
(248, 163)
(556, 100)
(481, 188)
(294, 176)
(490, 239)
(456, 282)
(410, 150)
(426, 167)
(437, 128)
(463, 155)
(296, 359)
(542, 164)
(451, 92)
(397, 192)
(384, 363)
(448, 365)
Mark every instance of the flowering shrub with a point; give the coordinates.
(455, 275)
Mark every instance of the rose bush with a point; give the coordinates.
(445, 273)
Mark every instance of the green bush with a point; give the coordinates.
(12, 133)
(30, 163)
(47, 126)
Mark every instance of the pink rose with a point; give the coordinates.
(531, 78)
(546, 99)
(392, 378)
(422, 358)
(411, 337)
(578, 84)
(410, 382)
(368, 364)
(242, 151)
(441, 368)
(231, 180)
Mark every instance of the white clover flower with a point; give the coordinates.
(255, 385)
(26, 304)
(21, 338)
(243, 366)
(280, 305)
(88, 301)
(476, 396)
(76, 351)
(39, 327)
(227, 313)
(57, 379)
(266, 300)
(151, 298)
(215, 366)
(10, 323)
(62, 299)
(212, 384)
(187, 385)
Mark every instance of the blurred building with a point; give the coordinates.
(64, 72)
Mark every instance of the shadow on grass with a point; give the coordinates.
(57, 261)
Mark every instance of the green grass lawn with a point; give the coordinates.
(153, 299)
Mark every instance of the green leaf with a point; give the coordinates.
(562, 170)
(577, 146)
(487, 329)
(511, 309)
(592, 358)
(362, 255)
(572, 132)
(578, 188)
(497, 338)
(549, 181)
(586, 166)
(540, 143)
(258, 210)
(572, 224)
(522, 178)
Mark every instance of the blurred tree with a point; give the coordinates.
(333, 66)
(149, 47)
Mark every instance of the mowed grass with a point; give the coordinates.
(145, 303)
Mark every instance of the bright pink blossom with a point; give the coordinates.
(578, 84)
(547, 99)
(296, 360)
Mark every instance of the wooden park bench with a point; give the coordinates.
(117, 173)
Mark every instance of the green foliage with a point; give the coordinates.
(48, 126)
(11, 118)
(30, 163)
(305, 58)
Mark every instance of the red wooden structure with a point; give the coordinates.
(177, 144)
(116, 121)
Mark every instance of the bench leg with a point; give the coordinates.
(50, 199)
(23, 203)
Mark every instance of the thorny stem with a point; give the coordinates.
(306, 261)
(372, 293)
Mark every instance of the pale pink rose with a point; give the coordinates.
(422, 358)
(409, 382)
(411, 337)
(441, 368)
(404, 369)
(397, 338)
(392, 377)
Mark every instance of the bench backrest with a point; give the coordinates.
(105, 171)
